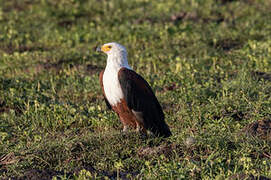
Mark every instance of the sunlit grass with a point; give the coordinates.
(209, 63)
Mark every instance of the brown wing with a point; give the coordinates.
(140, 98)
(102, 86)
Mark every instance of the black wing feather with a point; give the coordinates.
(140, 97)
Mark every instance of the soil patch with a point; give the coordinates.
(10, 48)
(236, 115)
(6, 108)
(227, 44)
(165, 149)
(260, 129)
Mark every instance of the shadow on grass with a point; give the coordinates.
(262, 75)
(243, 176)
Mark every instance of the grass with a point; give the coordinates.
(209, 63)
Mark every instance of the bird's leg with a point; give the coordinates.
(139, 122)
(140, 129)
(124, 123)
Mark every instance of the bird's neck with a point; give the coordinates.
(117, 62)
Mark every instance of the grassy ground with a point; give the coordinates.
(209, 63)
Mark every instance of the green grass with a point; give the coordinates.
(209, 63)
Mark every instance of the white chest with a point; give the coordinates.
(111, 85)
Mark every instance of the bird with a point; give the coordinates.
(129, 94)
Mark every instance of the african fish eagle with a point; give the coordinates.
(129, 95)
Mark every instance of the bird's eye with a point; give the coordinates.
(106, 48)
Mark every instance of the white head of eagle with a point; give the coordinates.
(116, 54)
(129, 95)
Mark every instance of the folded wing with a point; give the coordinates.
(141, 99)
